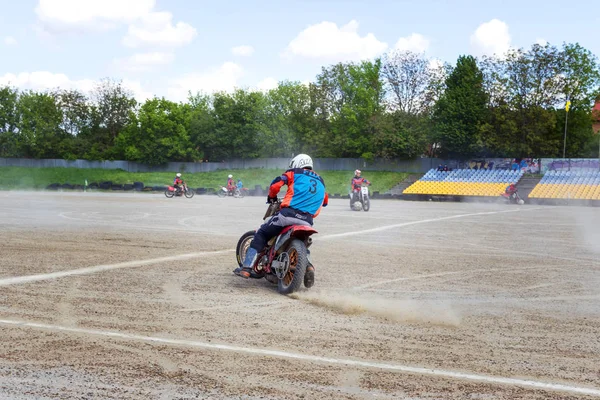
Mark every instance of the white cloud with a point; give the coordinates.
(146, 27)
(144, 61)
(44, 80)
(157, 29)
(65, 15)
(415, 43)
(223, 78)
(491, 38)
(10, 41)
(326, 41)
(267, 84)
(243, 50)
(139, 93)
(541, 42)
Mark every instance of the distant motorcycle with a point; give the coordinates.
(513, 198)
(236, 192)
(172, 191)
(361, 201)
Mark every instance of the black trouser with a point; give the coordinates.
(273, 227)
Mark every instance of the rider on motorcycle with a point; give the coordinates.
(303, 201)
(511, 190)
(177, 182)
(230, 183)
(356, 184)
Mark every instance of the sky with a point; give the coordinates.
(167, 48)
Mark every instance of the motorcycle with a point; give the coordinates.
(285, 258)
(236, 192)
(513, 198)
(361, 201)
(172, 191)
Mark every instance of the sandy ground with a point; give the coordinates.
(412, 300)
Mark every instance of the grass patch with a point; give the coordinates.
(12, 178)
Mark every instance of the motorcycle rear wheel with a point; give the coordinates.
(221, 193)
(294, 279)
(169, 193)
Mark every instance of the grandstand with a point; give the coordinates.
(578, 185)
(464, 182)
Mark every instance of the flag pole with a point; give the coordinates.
(566, 119)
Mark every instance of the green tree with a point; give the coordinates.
(288, 119)
(158, 134)
(238, 127)
(114, 104)
(8, 122)
(39, 132)
(349, 100)
(461, 111)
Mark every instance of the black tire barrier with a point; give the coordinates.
(78, 187)
(147, 189)
(117, 187)
(66, 186)
(105, 185)
(138, 186)
(53, 186)
(127, 186)
(159, 188)
(93, 185)
(201, 191)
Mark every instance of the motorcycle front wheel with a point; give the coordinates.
(242, 246)
(366, 204)
(294, 278)
(189, 193)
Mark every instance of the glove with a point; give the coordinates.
(271, 200)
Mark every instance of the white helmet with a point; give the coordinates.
(178, 175)
(357, 172)
(301, 161)
(230, 176)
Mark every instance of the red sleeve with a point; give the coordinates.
(278, 183)
(275, 188)
(326, 200)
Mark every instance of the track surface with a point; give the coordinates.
(412, 300)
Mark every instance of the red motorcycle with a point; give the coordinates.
(285, 258)
(184, 190)
(513, 198)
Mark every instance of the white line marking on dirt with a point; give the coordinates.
(99, 268)
(307, 357)
(422, 221)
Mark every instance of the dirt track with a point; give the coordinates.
(490, 291)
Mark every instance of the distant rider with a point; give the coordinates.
(357, 183)
(302, 203)
(511, 190)
(177, 184)
(230, 184)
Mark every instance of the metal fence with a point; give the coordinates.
(328, 164)
(419, 165)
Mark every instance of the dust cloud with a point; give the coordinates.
(413, 311)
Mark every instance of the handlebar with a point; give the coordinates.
(273, 208)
